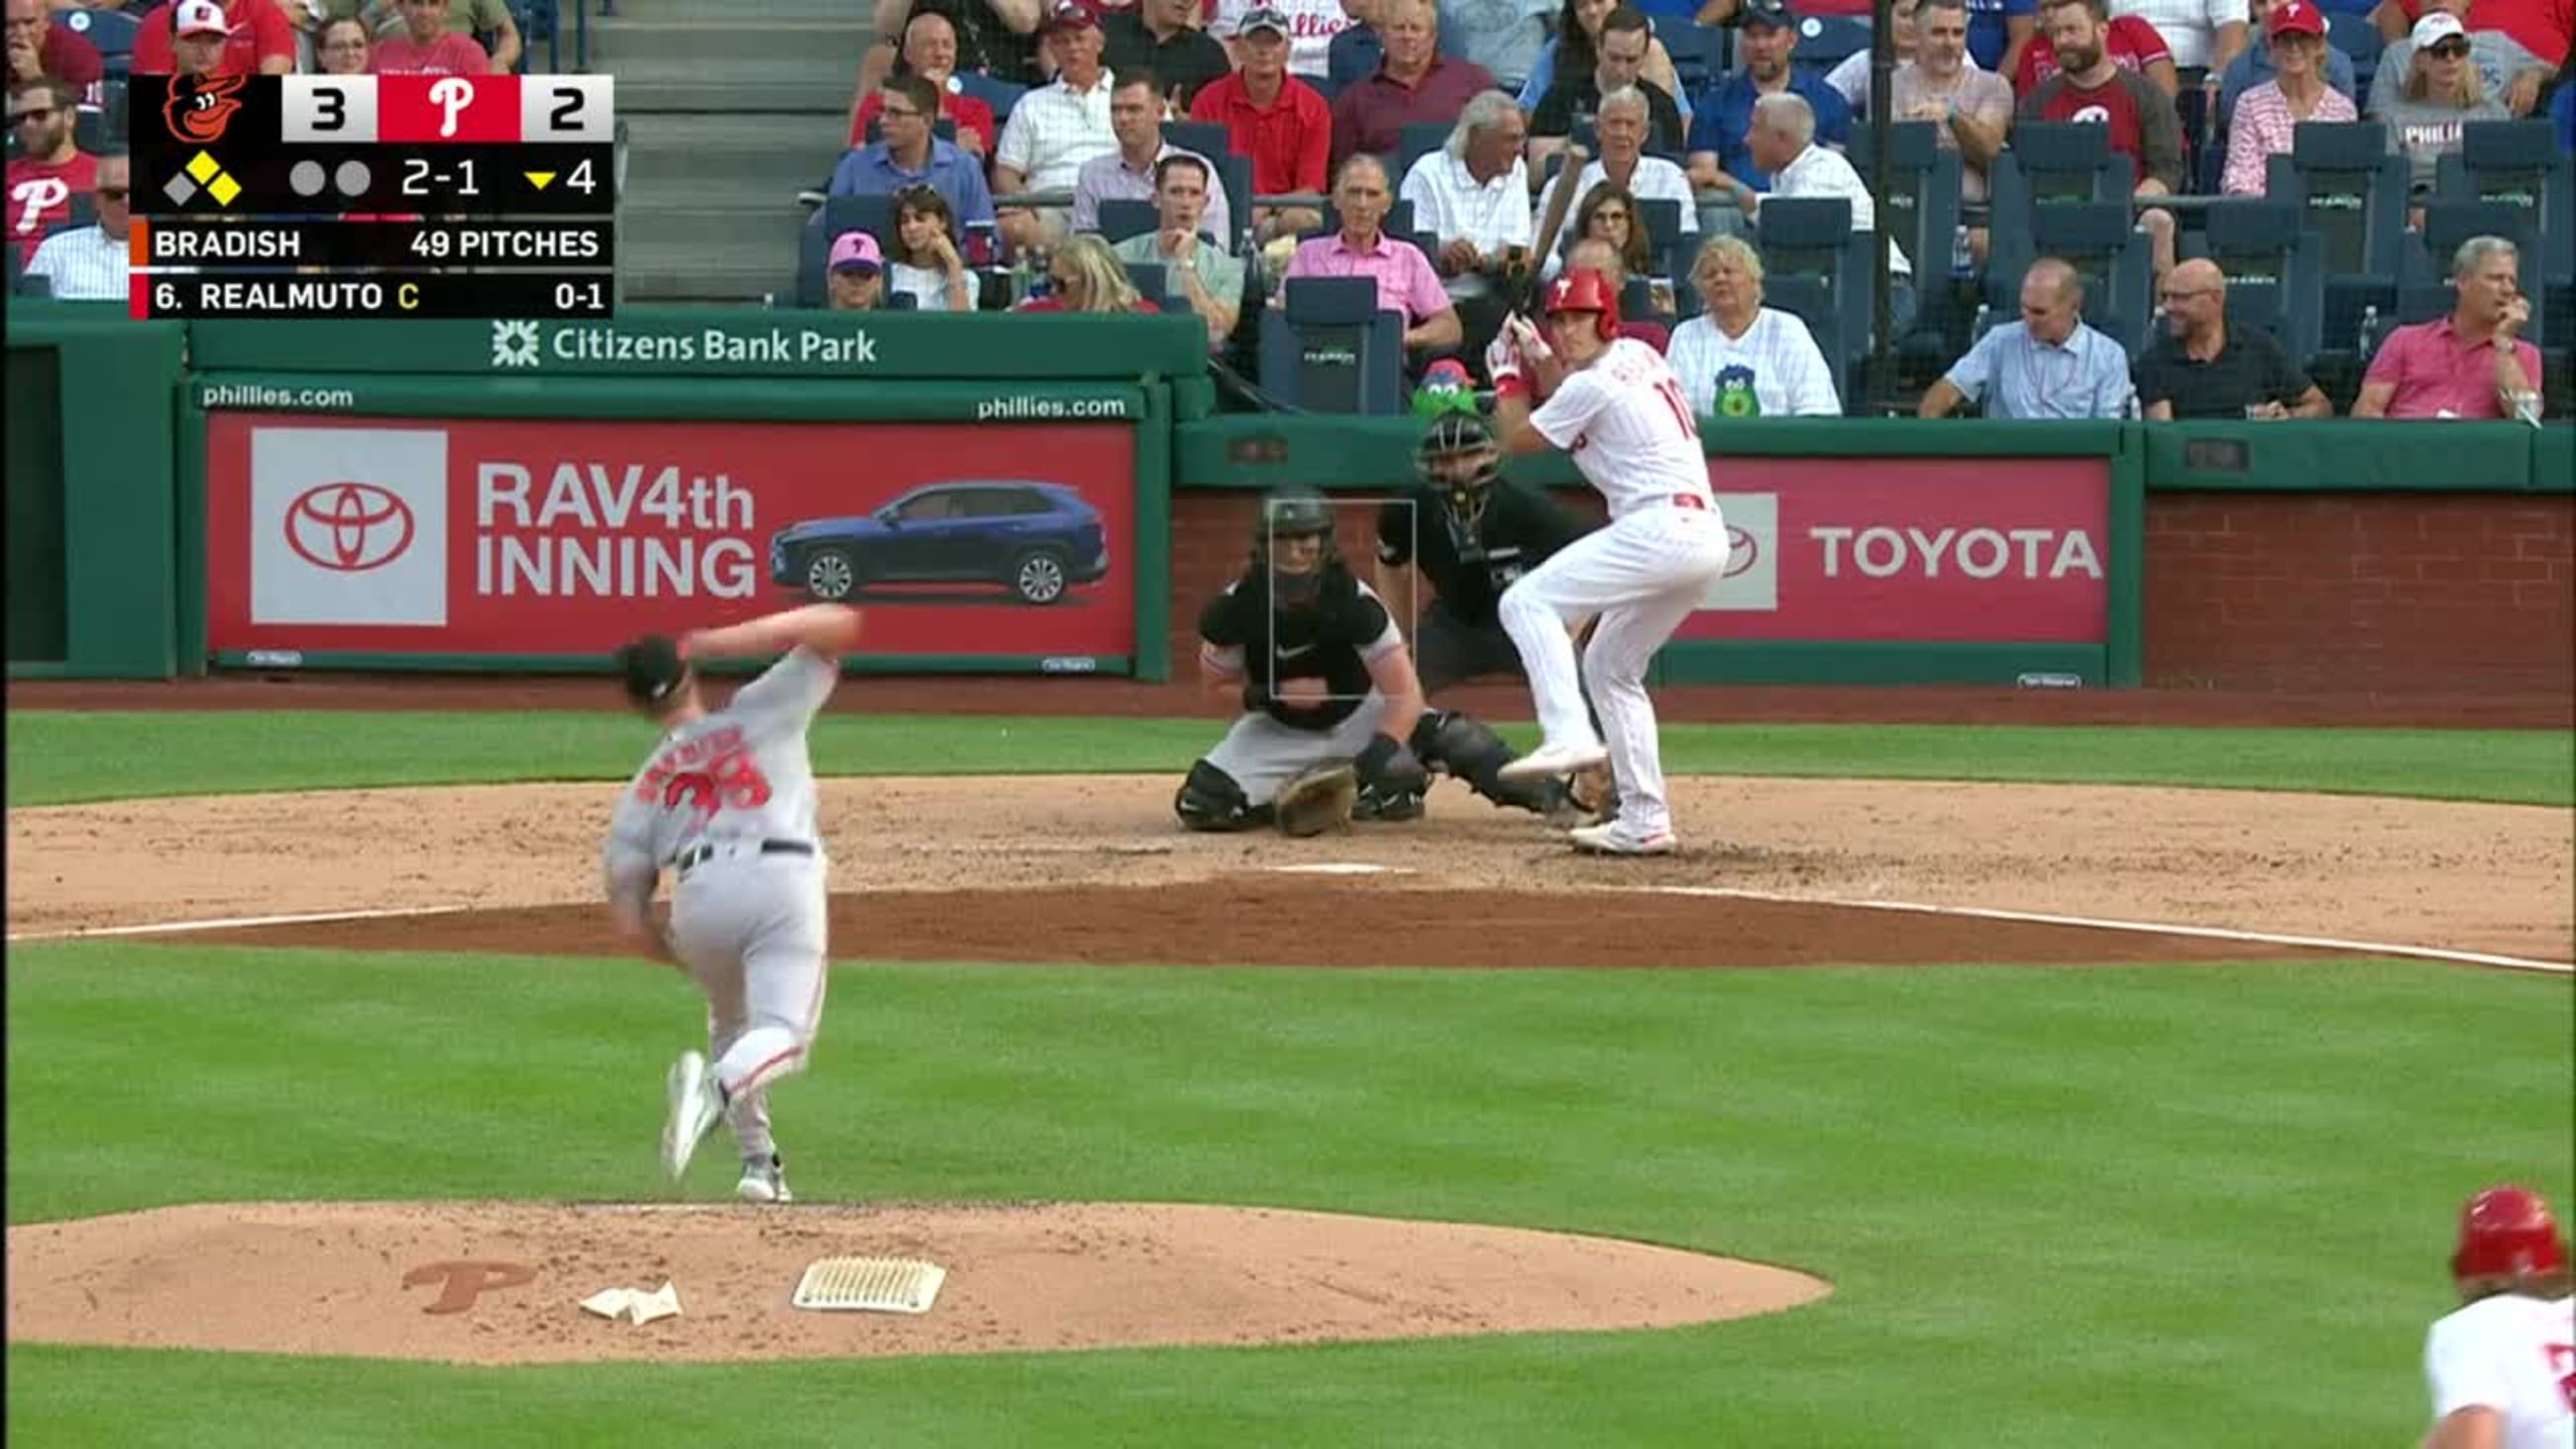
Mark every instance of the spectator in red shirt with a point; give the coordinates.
(2133, 43)
(257, 38)
(1414, 86)
(1088, 277)
(40, 48)
(2093, 88)
(50, 170)
(428, 47)
(1279, 121)
(344, 47)
(930, 51)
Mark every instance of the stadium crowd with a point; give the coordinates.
(1709, 156)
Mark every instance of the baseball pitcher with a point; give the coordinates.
(2503, 1367)
(726, 803)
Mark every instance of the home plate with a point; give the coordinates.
(1342, 867)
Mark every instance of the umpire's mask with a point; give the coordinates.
(1292, 542)
(1459, 459)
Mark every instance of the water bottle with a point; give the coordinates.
(1963, 258)
(1020, 278)
(2369, 331)
(1985, 317)
(1041, 275)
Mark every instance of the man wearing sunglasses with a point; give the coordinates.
(87, 263)
(50, 169)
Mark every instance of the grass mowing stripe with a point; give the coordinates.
(59, 758)
(2115, 1205)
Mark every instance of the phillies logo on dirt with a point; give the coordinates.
(200, 107)
(348, 528)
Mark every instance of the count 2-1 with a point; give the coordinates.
(419, 175)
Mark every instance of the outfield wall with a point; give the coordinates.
(516, 497)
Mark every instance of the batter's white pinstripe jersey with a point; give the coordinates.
(1629, 428)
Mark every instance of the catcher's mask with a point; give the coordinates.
(1288, 515)
(1459, 459)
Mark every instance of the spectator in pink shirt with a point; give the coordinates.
(2469, 364)
(2268, 115)
(1406, 284)
(428, 47)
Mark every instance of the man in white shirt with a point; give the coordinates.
(88, 263)
(1622, 124)
(1783, 142)
(2503, 1367)
(1473, 193)
(1056, 127)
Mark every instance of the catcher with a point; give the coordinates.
(1324, 681)
(1473, 534)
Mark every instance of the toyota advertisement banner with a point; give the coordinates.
(433, 537)
(1914, 550)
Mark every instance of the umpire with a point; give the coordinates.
(1473, 534)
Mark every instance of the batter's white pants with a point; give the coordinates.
(751, 930)
(1642, 575)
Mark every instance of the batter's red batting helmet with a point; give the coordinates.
(1585, 290)
(2506, 1232)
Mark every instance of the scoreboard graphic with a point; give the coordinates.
(364, 196)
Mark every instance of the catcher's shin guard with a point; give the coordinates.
(1209, 799)
(1464, 746)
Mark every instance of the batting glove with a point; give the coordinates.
(1502, 359)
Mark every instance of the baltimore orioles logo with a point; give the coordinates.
(200, 107)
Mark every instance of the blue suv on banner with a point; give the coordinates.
(1035, 540)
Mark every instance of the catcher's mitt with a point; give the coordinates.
(1316, 799)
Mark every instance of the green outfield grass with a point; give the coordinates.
(57, 757)
(2141, 1207)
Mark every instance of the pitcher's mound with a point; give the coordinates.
(506, 1279)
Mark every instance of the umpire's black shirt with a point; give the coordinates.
(1519, 529)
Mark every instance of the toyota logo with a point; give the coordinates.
(348, 528)
(1743, 551)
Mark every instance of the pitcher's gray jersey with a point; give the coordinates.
(743, 773)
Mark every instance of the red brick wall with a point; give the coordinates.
(2403, 592)
(2396, 591)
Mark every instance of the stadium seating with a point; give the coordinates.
(1665, 240)
(1149, 280)
(2275, 271)
(1330, 349)
(1921, 209)
(1122, 219)
(2518, 162)
(110, 32)
(1418, 141)
(1826, 41)
(1001, 95)
(1813, 237)
(2352, 194)
(2362, 44)
(1700, 53)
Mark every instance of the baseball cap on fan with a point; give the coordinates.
(200, 17)
(2436, 27)
(1070, 15)
(856, 251)
(2296, 18)
(1262, 17)
(1764, 12)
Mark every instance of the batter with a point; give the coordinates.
(1614, 404)
(726, 802)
